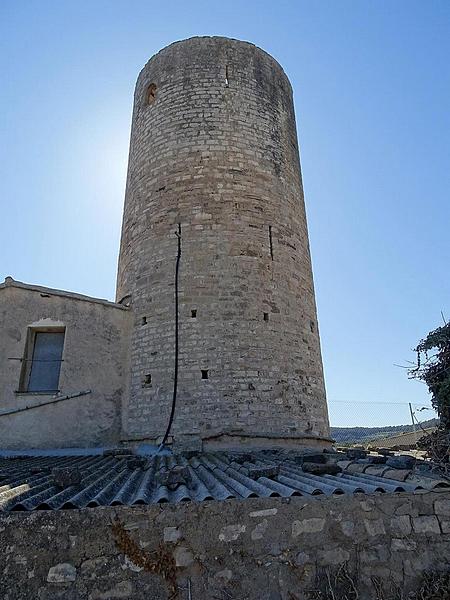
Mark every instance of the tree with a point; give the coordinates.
(433, 367)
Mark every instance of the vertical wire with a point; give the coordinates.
(175, 376)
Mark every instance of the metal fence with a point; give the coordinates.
(381, 424)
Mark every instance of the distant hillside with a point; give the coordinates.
(367, 434)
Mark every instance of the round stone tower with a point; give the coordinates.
(214, 150)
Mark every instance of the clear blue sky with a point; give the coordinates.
(372, 92)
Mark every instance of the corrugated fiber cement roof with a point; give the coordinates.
(74, 482)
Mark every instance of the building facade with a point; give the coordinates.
(214, 193)
(64, 394)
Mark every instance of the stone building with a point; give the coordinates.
(63, 368)
(214, 263)
(213, 173)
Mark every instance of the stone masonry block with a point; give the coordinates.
(183, 556)
(374, 527)
(398, 544)
(426, 524)
(442, 507)
(314, 525)
(401, 525)
(335, 556)
(172, 534)
(62, 573)
(445, 525)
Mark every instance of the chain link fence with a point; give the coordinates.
(381, 424)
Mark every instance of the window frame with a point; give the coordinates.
(27, 360)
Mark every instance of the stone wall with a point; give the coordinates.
(214, 148)
(257, 549)
(94, 358)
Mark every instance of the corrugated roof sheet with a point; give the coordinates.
(29, 483)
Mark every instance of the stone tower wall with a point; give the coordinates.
(214, 148)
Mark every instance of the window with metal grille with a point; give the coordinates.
(43, 361)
